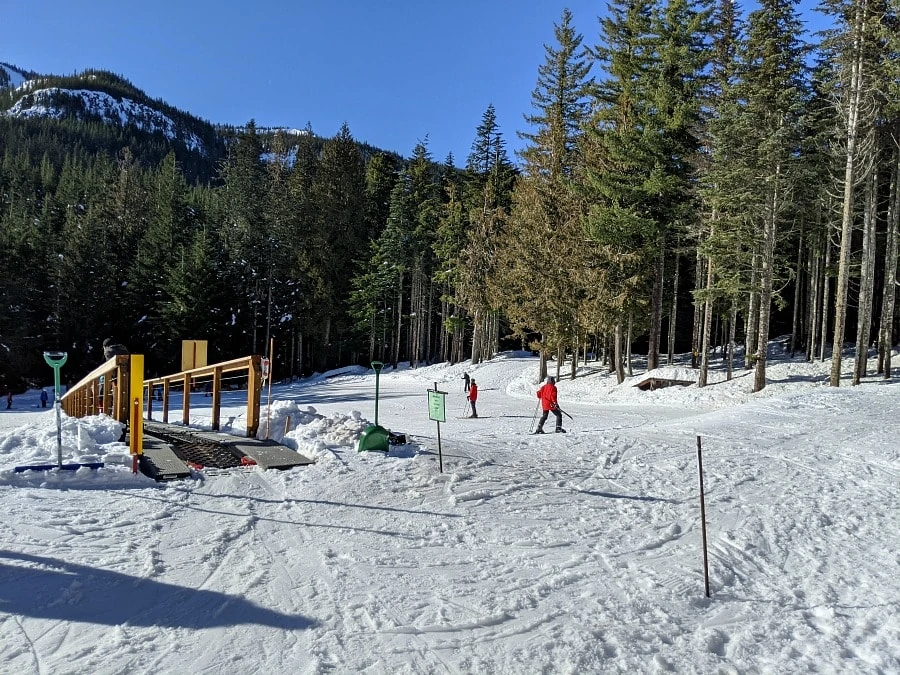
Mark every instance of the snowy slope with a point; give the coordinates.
(42, 103)
(562, 553)
(10, 78)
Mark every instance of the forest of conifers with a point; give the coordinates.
(696, 179)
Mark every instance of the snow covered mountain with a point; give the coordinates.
(56, 103)
(99, 96)
(11, 77)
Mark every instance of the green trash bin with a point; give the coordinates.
(374, 437)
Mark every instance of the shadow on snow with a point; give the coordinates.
(47, 588)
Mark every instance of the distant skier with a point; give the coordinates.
(473, 396)
(9, 400)
(466, 381)
(547, 395)
(44, 398)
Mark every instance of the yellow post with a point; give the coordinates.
(216, 398)
(254, 394)
(136, 409)
(186, 403)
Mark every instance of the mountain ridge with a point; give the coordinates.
(113, 101)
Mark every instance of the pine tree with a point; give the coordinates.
(339, 198)
(856, 44)
(245, 232)
(536, 259)
(772, 90)
(489, 179)
(618, 166)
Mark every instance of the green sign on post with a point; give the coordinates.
(57, 360)
(437, 411)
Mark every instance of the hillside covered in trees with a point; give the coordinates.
(697, 178)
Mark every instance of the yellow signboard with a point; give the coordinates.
(193, 354)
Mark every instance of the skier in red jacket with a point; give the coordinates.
(547, 394)
(473, 396)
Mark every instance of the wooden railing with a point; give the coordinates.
(211, 377)
(103, 390)
(115, 389)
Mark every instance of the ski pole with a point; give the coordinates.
(565, 413)
(534, 417)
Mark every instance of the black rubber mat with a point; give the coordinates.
(196, 451)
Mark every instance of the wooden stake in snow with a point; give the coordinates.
(703, 517)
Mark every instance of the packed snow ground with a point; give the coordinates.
(562, 553)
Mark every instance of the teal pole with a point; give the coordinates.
(57, 360)
(377, 366)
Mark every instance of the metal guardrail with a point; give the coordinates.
(251, 365)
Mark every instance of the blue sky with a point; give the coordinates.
(395, 71)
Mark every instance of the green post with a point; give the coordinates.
(377, 366)
(57, 360)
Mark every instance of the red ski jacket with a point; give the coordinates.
(547, 394)
(473, 392)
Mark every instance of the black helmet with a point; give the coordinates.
(550, 380)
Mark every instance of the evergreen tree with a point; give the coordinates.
(339, 197)
(537, 281)
(488, 189)
(245, 233)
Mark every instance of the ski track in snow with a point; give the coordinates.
(559, 553)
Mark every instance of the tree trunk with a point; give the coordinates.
(814, 291)
(886, 340)
(853, 111)
(798, 295)
(628, 344)
(750, 330)
(673, 311)
(732, 331)
(395, 356)
(866, 280)
(707, 326)
(620, 372)
(542, 364)
(765, 292)
(656, 302)
(826, 298)
(698, 315)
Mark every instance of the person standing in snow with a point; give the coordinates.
(9, 400)
(44, 398)
(473, 396)
(547, 395)
(466, 381)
